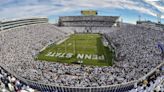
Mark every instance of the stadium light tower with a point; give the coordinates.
(65, 46)
(159, 18)
(1, 28)
(74, 46)
(139, 17)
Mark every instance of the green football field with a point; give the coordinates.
(86, 49)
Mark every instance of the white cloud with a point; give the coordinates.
(162, 16)
(155, 4)
(56, 7)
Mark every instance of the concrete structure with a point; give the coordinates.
(87, 21)
(150, 24)
(21, 22)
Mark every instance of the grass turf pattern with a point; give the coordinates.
(83, 44)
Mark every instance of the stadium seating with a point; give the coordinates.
(86, 21)
(9, 83)
(135, 45)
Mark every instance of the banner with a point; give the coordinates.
(89, 12)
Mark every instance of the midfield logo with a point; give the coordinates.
(78, 56)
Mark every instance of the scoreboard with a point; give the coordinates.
(89, 12)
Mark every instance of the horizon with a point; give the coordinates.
(128, 10)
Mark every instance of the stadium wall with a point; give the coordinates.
(17, 23)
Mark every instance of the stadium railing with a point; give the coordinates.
(52, 87)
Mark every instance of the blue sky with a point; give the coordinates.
(129, 10)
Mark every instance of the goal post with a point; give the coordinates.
(74, 45)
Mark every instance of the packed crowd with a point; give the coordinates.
(81, 21)
(135, 48)
(8, 83)
(80, 24)
(88, 29)
(155, 83)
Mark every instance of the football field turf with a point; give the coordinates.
(87, 49)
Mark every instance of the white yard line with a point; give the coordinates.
(62, 40)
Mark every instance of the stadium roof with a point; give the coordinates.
(22, 18)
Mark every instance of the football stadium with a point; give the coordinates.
(81, 53)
